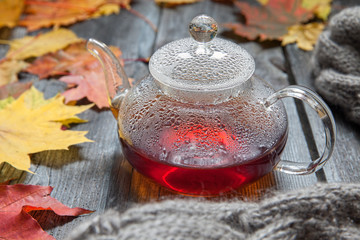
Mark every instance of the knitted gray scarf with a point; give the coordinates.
(323, 211)
(337, 62)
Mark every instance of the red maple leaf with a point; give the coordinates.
(16, 201)
(269, 21)
(89, 84)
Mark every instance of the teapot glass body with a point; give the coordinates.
(202, 149)
(201, 123)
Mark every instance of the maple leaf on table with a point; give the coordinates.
(34, 46)
(10, 12)
(269, 21)
(47, 13)
(90, 85)
(83, 69)
(70, 60)
(31, 46)
(304, 35)
(16, 201)
(31, 124)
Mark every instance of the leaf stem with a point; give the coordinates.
(136, 13)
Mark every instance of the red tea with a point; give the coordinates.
(202, 149)
(196, 178)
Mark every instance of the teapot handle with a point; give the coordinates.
(327, 119)
(117, 82)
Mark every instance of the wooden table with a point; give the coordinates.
(96, 176)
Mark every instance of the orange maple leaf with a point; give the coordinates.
(16, 201)
(47, 13)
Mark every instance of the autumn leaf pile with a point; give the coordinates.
(46, 13)
(29, 123)
(30, 116)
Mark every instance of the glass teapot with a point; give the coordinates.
(201, 123)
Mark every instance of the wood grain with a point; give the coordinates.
(345, 162)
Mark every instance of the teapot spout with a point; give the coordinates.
(117, 82)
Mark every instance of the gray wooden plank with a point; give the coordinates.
(272, 67)
(345, 162)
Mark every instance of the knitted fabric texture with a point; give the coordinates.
(337, 62)
(323, 211)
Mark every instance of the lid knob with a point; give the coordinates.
(203, 28)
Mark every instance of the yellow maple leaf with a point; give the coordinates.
(9, 70)
(304, 35)
(39, 45)
(10, 11)
(31, 124)
(321, 8)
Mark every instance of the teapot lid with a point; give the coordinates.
(202, 62)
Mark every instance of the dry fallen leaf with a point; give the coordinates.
(42, 13)
(321, 8)
(16, 201)
(10, 12)
(10, 69)
(31, 124)
(39, 45)
(47, 13)
(269, 21)
(83, 69)
(89, 84)
(304, 35)
(70, 60)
